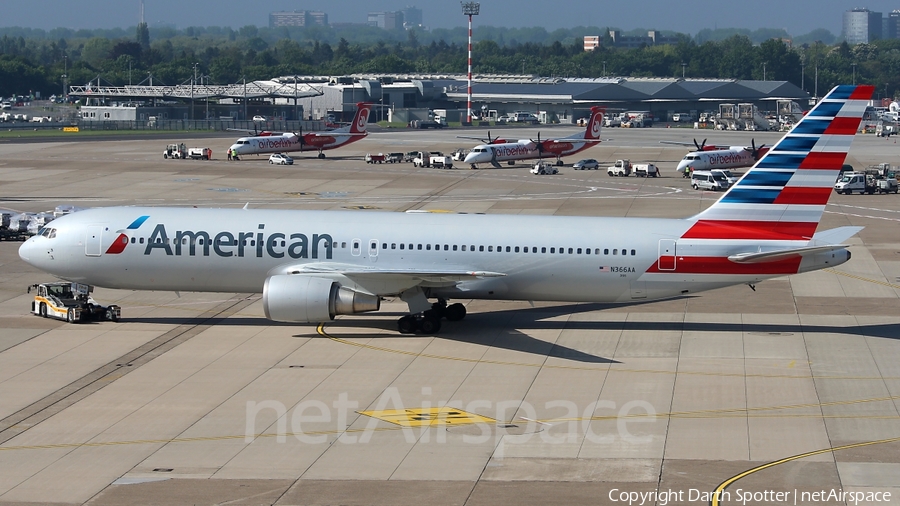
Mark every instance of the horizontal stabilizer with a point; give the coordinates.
(834, 236)
(774, 256)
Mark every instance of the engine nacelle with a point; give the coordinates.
(309, 299)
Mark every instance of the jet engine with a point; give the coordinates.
(309, 299)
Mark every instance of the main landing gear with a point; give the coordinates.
(429, 322)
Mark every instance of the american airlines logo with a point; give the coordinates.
(121, 241)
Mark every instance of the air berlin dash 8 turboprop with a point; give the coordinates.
(313, 265)
(498, 150)
(719, 157)
(309, 141)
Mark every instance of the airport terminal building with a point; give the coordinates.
(402, 98)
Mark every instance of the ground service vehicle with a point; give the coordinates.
(645, 170)
(280, 159)
(175, 151)
(542, 168)
(709, 180)
(71, 302)
(378, 158)
(395, 157)
(621, 168)
(434, 159)
(199, 153)
(855, 182)
(586, 164)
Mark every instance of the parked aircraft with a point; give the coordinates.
(269, 142)
(502, 150)
(719, 157)
(313, 265)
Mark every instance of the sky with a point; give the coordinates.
(686, 16)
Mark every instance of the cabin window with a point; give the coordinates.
(633, 252)
(454, 247)
(606, 251)
(393, 245)
(402, 245)
(508, 249)
(428, 247)
(480, 248)
(420, 247)
(517, 249)
(587, 251)
(490, 248)
(570, 251)
(133, 240)
(447, 247)
(615, 252)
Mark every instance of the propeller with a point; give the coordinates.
(701, 145)
(539, 145)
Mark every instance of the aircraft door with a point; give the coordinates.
(93, 241)
(355, 247)
(666, 260)
(373, 250)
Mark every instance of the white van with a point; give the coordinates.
(709, 180)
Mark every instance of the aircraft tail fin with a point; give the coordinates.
(361, 119)
(594, 124)
(783, 196)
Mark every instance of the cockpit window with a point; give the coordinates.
(47, 232)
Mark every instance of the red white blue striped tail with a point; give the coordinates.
(783, 196)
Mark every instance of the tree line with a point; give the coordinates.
(36, 60)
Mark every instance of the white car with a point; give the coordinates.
(281, 159)
(259, 119)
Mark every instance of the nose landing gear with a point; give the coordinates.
(429, 322)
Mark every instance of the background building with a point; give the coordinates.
(386, 20)
(862, 26)
(412, 17)
(297, 18)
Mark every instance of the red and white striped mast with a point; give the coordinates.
(470, 9)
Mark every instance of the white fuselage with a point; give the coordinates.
(541, 257)
(524, 149)
(732, 158)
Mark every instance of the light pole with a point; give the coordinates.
(604, 68)
(194, 80)
(802, 76)
(764, 71)
(683, 65)
(470, 9)
(523, 66)
(854, 73)
(65, 78)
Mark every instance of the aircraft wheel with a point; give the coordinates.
(559, 163)
(429, 325)
(406, 325)
(43, 310)
(474, 167)
(455, 312)
(321, 155)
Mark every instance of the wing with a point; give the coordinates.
(387, 281)
(773, 256)
(677, 143)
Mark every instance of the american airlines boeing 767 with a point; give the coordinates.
(313, 265)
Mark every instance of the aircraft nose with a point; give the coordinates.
(26, 250)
